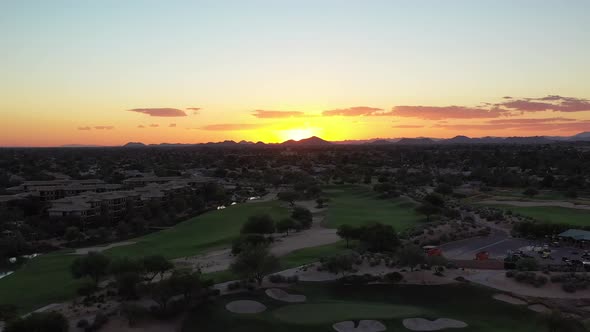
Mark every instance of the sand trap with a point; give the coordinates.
(421, 324)
(363, 326)
(509, 299)
(281, 295)
(541, 308)
(245, 307)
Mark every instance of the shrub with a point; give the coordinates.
(277, 278)
(569, 287)
(509, 274)
(393, 277)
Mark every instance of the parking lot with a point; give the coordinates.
(499, 244)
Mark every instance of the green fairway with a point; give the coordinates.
(329, 303)
(317, 313)
(553, 215)
(208, 230)
(356, 206)
(46, 279)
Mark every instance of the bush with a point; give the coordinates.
(569, 287)
(277, 279)
(232, 286)
(82, 324)
(393, 277)
(134, 313)
(509, 274)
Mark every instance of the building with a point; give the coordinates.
(576, 237)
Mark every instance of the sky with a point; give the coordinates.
(109, 72)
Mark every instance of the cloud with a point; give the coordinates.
(356, 111)
(407, 126)
(448, 112)
(141, 126)
(172, 125)
(263, 114)
(539, 125)
(154, 125)
(553, 103)
(97, 128)
(161, 112)
(231, 126)
(194, 109)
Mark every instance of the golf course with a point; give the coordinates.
(355, 206)
(329, 303)
(47, 278)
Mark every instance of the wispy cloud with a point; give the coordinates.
(553, 103)
(356, 111)
(447, 112)
(264, 114)
(194, 109)
(539, 125)
(154, 125)
(97, 128)
(160, 112)
(172, 125)
(407, 126)
(231, 126)
(141, 126)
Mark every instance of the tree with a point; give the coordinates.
(556, 321)
(434, 199)
(411, 255)
(94, 265)
(285, 224)
(72, 234)
(189, 284)
(444, 189)
(39, 322)
(288, 196)
(348, 233)
(339, 264)
(259, 224)
(156, 264)
(527, 264)
(377, 237)
(127, 284)
(123, 265)
(530, 192)
(247, 240)
(254, 263)
(428, 210)
(303, 216)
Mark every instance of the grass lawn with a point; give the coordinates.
(46, 279)
(328, 303)
(330, 312)
(552, 214)
(355, 205)
(215, 228)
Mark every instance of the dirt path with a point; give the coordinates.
(84, 251)
(220, 260)
(568, 205)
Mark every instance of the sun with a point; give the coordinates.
(296, 134)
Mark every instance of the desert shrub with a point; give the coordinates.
(510, 274)
(232, 286)
(86, 288)
(82, 324)
(292, 279)
(134, 313)
(277, 278)
(569, 287)
(393, 277)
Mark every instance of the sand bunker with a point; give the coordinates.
(363, 326)
(281, 295)
(541, 308)
(509, 299)
(421, 324)
(245, 307)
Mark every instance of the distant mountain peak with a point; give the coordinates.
(314, 140)
(134, 145)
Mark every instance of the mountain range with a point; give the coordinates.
(316, 141)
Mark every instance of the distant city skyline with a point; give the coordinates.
(110, 72)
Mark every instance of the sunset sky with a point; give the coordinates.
(110, 72)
